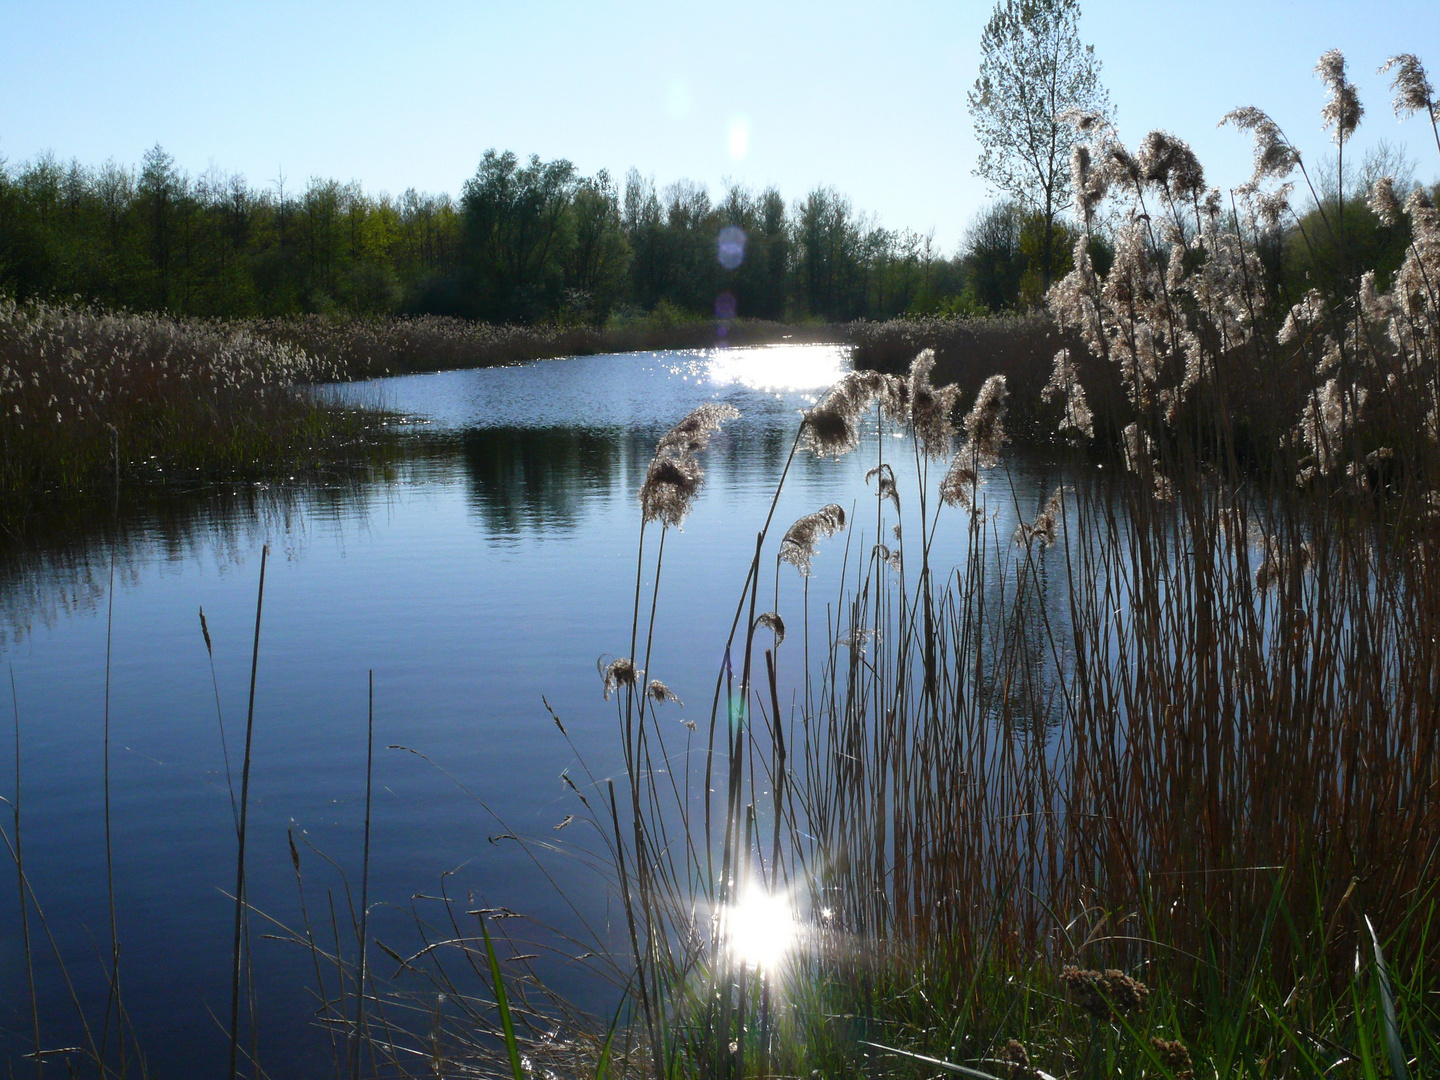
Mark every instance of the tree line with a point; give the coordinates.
(526, 241)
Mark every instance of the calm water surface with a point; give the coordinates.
(489, 567)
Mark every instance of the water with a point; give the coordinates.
(487, 568)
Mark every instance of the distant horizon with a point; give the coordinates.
(871, 104)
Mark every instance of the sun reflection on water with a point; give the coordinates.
(760, 930)
(780, 367)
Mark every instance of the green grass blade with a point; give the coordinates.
(603, 1066)
(507, 1024)
(1387, 1005)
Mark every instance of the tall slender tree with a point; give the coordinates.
(1033, 69)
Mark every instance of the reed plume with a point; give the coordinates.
(674, 475)
(984, 436)
(1043, 527)
(1343, 110)
(1412, 89)
(885, 488)
(832, 427)
(660, 694)
(772, 621)
(619, 672)
(802, 539)
(1065, 384)
(931, 408)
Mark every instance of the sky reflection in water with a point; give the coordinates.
(489, 567)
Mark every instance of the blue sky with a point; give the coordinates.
(866, 97)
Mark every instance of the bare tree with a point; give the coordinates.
(1033, 69)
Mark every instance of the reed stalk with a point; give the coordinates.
(240, 902)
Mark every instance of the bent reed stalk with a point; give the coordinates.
(1181, 728)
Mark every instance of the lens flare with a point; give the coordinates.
(760, 930)
(730, 247)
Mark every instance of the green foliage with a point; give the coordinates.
(1004, 264)
(1331, 246)
(156, 239)
(528, 242)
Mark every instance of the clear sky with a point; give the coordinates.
(868, 97)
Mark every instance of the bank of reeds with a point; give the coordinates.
(1148, 783)
(365, 348)
(968, 351)
(91, 397)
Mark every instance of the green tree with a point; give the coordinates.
(828, 257)
(516, 234)
(600, 254)
(993, 263)
(161, 188)
(1033, 69)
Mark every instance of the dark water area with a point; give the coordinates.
(492, 564)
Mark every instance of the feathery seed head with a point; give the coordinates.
(832, 427)
(1274, 156)
(1140, 453)
(1123, 164)
(802, 539)
(692, 434)
(659, 693)
(1413, 92)
(771, 620)
(675, 475)
(669, 489)
(930, 407)
(1043, 527)
(1065, 380)
(1088, 183)
(1383, 201)
(885, 487)
(1085, 121)
(1169, 163)
(619, 672)
(985, 423)
(1343, 111)
(957, 488)
(1271, 206)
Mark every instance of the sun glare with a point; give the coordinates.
(779, 367)
(761, 929)
(739, 137)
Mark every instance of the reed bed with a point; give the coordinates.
(364, 348)
(92, 397)
(969, 350)
(1148, 782)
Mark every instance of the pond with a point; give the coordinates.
(484, 571)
